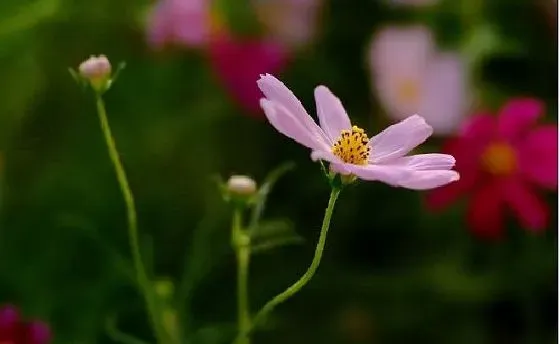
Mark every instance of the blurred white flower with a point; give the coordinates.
(291, 22)
(410, 76)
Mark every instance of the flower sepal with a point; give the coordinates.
(239, 190)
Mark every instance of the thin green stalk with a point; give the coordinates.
(241, 244)
(141, 274)
(294, 288)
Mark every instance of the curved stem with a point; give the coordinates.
(141, 274)
(294, 288)
(241, 245)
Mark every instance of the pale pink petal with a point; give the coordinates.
(486, 212)
(158, 26)
(517, 116)
(425, 162)
(332, 116)
(387, 174)
(292, 22)
(325, 156)
(398, 58)
(444, 102)
(399, 139)
(286, 123)
(276, 91)
(532, 212)
(191, 21)
(426, 180)
(538, 156)
(400, 50)
(184, 22)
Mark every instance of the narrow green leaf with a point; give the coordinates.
(262, 194)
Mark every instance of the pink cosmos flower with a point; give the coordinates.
(501, 161)
(238, 62)
(348, 149)
(411, 76)
(14, 330)
(291, 22)
(182, 22)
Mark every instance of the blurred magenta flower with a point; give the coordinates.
(410, 76)
(238, 63)
(348, 149)
(180, 22)
(501, 161)
(290, 22)
(14, 330)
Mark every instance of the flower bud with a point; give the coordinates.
(241, 185)
(97, 71)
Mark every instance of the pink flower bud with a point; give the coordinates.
(97, 70)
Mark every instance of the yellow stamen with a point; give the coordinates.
(352, 146)
(499, 159)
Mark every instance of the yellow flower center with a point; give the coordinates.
(408, 91)
(499, 159)
(352, 146)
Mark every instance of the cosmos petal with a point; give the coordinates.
(426, 162)
(287, 124)
(386, 174)
(538, 156)
(399, 139)
(425, 180)
(531, 210)
(518, 115)
(486, 212)
(332, 115)
(276, 91)
(38, 333)
(325, 156)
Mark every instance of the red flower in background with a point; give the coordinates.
(502, 160)
(239, 62)
(14, 330)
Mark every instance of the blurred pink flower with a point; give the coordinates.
(348, 149)
(291, 22)
(501, 160)
(181, 22)
(238, 63)
(14, 330)
(411, 77)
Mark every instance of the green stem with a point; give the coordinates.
(241, 244)
(294, 288)
(141, 274)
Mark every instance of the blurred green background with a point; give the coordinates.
(392, 272)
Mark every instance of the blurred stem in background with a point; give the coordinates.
(143, 280)
(294, 288)
(27, 16)
(241, 243)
